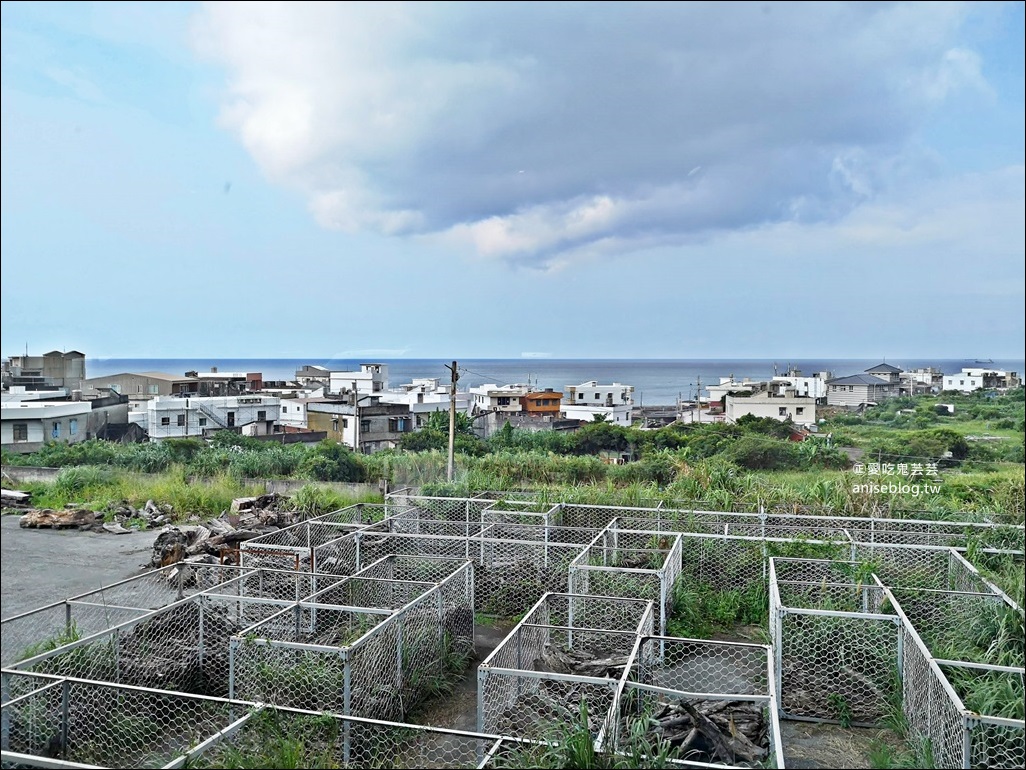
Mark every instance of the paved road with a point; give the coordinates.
(42, 566)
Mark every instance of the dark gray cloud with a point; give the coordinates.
(532, 132)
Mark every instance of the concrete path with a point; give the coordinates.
(42, 566)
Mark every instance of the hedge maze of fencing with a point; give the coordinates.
(325, 636)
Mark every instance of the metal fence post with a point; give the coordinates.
(5, 716)
(482, 680)
(901, 653)
(232, 647)
(199, 640)
(65, 717)
(399, 656)
(347, 696)
(778, 654)
(67, 619)
(967, 741)
(116, 639)
(441, 631)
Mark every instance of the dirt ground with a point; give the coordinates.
(458, 710)
(810, 745)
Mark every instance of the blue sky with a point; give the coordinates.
(488, 180)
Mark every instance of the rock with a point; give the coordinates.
(78, 519)
(115, 528)
(169, 547)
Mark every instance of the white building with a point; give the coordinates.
(498, 398)
(730, 385)
(293, 412)
(974, 378)
(177, 417)
(801, 410)
(590, 400)
(26, 425)
(807, 387)
(425, 395)
(372, 379)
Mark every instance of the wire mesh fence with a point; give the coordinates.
(563, 660)
(367, 610)
(836, 650)
(74, 723)
(699, 701)
(629, 563)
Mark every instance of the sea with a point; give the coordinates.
(657, 382)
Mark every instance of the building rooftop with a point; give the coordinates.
(859, 379)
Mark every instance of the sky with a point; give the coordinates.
(497, 180)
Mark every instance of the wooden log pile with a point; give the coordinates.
(733, 732)
(729, 731)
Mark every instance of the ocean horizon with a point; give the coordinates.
(656, 381)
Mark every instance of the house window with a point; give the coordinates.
(502, 401)
(782, 411)
(345, 422)
(154, 390)
(181, 420)
(851, 388)
(165, 420)
(334, 424)
(203, 422)
(72, 427)
(799, 410)
(284, 409)
(21, 431)
(365, 425)
(261, 415)
(56, 432)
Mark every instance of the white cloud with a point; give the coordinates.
(534, 133)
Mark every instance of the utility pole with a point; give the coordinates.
(698, 396)
(356, 419)
(455, 376)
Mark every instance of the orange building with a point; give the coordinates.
(542, 403)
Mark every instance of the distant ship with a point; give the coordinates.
(980, 361)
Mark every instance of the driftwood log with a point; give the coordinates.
(67, 519)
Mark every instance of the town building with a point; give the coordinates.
(788, 406)
(215, 383)
(371, 379)
(26, 425)
(975, 378)
(925, 379)
(542, 403)
(589, 401)
(310, 376)
(728, 385)
(814, 387)
(886, 372)
(191, 416)
(367, 427)
(141, 386)
(861, 390)
(497, 398)
(425, 395)
(51, 371)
